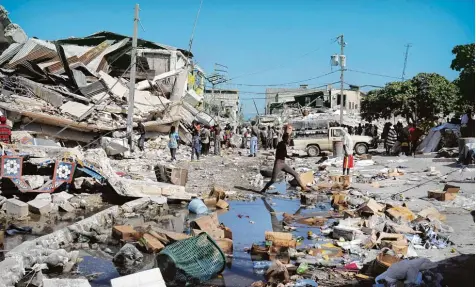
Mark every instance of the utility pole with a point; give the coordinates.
(342, 66)
(405, 62)
(132, 79)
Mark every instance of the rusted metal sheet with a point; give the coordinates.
(87, 57)
(59, 65)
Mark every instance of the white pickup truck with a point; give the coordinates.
(323, 142)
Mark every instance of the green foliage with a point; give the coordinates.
(464, 63)
(423, 98)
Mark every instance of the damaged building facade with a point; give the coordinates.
(76, 89)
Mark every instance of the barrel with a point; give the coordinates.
(197, 206)
(338, 148)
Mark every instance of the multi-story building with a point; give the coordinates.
(224, 103)
(316, 98)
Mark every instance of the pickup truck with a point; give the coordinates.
(318, 143)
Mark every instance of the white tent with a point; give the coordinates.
(431, 141)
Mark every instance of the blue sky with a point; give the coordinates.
(275, 41)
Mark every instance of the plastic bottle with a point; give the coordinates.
(305, 283)
(262, 264)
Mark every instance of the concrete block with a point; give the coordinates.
(62, 197)
(39, 206)
(66, 283)
(66, 206)
(43, 196)
(16, 208)
(124, 232)
(148, 278)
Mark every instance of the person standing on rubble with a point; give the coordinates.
(5, 131)
(141, 128)
(280, 164)
(205, 138)
(196, 145)
(217, 140)
(173, 142)
(348, 154)
(254, 139)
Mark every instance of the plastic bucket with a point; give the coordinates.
(197, 206)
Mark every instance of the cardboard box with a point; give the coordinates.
(280, 239)
(307, 178)
(449, 193)
(124, 232)
(401, 212)
(222, 204)
(151, 243)
(225, 244)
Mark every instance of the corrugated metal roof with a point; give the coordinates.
(10, 52)
(39, 53)
(29, 46)
(91, 54)
(94, 89)
(58, 66)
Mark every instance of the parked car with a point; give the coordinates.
(324, 142)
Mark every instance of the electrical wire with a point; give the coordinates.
(373, 74)
(285, 84)
(279, 66)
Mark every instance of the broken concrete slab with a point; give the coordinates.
(16, 208)
(42, 92)
(34, 181)
(61, 197)
(66, 283)
(148, 278)
(75, 109)
(114, 146)
(116, 87)
(39, 206)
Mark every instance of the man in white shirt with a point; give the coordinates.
(348, 153)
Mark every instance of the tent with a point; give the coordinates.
(431, 141)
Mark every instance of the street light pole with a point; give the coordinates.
(132, 79)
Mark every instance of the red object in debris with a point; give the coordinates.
(5, 133)
(120, 173)
(352, 266)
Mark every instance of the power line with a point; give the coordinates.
(373, 74)
(284, 84)
(279, 66)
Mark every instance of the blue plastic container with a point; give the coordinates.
(197, 206)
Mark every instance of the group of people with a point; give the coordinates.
(265, 137)
(366, 130)
(407, 137)
(202, 138)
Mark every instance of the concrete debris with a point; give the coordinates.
(16, 209)
(127, 259)
(66, 283)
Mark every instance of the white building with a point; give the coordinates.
(224, 103)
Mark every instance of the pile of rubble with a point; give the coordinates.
(76, 88)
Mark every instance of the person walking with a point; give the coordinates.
(217, 142)
(270, 137)
(205, 138)
(141, 129)
(391, 139)
(264, 135)
(280, 165)
(359, 130)
(348, 154)
(173, 143)
(254, 140)
(195, 145)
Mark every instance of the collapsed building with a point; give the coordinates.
(76, 89)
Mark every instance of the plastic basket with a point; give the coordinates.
(191, 261)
